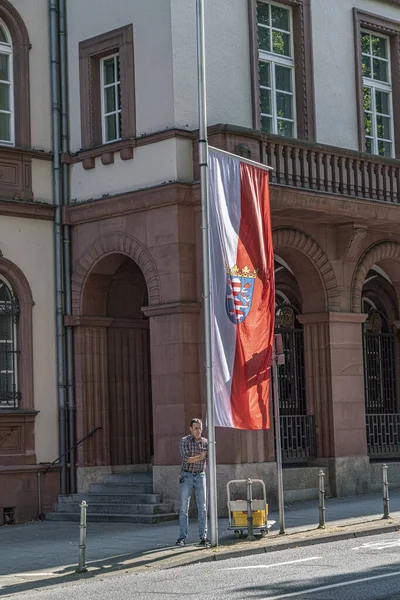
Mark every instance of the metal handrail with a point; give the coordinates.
(72, 447)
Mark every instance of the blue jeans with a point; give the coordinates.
(196, 481)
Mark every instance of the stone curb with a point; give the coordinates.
(297, 540)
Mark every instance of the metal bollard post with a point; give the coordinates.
(82, 539)
(385, 492)
(321, 494)
(250, 532)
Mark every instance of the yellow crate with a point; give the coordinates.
(259, 517)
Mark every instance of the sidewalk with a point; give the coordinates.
(45, 553)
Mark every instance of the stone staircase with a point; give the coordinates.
(120, 498)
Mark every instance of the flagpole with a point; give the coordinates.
(203, 164)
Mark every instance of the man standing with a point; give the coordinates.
(193, 449)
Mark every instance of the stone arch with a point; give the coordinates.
(294, 239)
(385, 250)
(21, 47)
(116, 243)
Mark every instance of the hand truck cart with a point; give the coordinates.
(247, 514)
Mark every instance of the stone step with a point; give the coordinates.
(113, 518)
(124, 478)
(124, 488)
(126, 509)
(100, 498)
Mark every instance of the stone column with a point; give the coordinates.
(335, 393)
(175, 385)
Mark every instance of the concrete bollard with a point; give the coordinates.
(321, 494)
(82, 539)
(385, 492)
(250, 531)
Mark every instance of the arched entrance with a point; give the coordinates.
(114, 292)
(380, 364)
(297, 427)
(309, 283)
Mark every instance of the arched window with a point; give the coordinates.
(9, 316)
(15, 120)
(6, 87)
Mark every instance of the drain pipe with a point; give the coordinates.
(67, 247)
(58, 246)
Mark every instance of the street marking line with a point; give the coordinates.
(290, 562)
(378, 545)
(330, 587)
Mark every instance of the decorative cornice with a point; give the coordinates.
(27, 210)
(172, 308)
(323, 202)
(332, 317)
(121, 145)
(18, 413)
(128, 203)
(27, 152)
(84, 321)
(377, 22)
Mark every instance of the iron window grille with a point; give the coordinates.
(9, 317)
(297, 427)
(379, 366)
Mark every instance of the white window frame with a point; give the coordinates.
(285, 61)
(117, 112)
(379, 86)
(8, 49)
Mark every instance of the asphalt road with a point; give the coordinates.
(358, 569)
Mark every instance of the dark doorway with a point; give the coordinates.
(129, 382)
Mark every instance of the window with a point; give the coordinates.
(15, 126)
(276, 69)
(377, 94)
(281, 61)
(107, 96)
(377, 47)
(9, 315)
(111, 98)
(6, 88)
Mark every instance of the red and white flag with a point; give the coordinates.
(242, 291)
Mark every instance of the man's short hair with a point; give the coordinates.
(199, 421)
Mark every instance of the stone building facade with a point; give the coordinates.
(28, 407)
(306, 86)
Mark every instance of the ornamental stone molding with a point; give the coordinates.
(376, 253)
(354, 243)
(293, 238)
(116, 243)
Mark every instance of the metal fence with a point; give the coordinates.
(383, 435)
(380, 373)
(291, 375)
(298, 437)
(297, 428)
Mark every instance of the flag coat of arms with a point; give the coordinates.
(242, 291)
